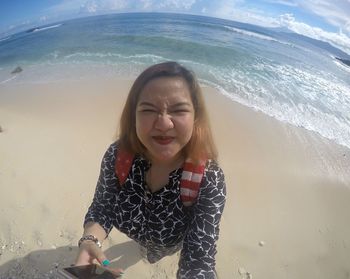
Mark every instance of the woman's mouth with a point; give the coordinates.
(163, 139)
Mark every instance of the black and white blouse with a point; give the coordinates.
(159, 221)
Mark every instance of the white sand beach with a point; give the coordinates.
(287, 212)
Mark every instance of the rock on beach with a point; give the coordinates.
(17, 70)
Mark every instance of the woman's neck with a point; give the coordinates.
(172, 164)
(158, 174)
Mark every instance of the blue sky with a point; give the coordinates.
(327, 20)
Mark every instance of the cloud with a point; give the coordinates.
(96, 6)
(283, 2)
(339, 39)
(336, 13)
(102, 6)
(176, 4)
(43, 18)
(236, 10)
(65, 6)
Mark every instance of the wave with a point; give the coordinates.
(186, 46)
(342, 66)
(249, 33)
(152, 48)
(304, 116)
(109, 54)
(7, 80)
(44, 28)
(5, 39)
(257, 35)
(320, 106)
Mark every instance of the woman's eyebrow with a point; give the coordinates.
(147, 104)
(180, 104)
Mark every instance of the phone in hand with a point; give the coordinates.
(91, 271)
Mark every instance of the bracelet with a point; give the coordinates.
(90, 237)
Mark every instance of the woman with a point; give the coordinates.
(165, 135)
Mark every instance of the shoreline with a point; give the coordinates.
(332, 127)
(287, 187)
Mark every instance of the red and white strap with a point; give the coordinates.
(190, 181)
(123, 165)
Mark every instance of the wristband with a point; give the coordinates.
(90, 237)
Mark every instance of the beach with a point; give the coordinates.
(288, 189)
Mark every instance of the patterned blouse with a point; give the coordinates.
(159, 221)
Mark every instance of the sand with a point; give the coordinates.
(287, 212)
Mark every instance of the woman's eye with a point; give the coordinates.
(179, 111)
(148, 110)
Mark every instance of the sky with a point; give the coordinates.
(326, 20)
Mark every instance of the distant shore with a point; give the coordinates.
(288, 188)
(344, 61)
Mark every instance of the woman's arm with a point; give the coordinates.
(100, 210)
(199, 249)
(96, 230)
(97, 220)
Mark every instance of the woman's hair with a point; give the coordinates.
(201, 143)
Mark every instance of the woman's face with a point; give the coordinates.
(164, 118)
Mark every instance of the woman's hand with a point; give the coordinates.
(90, 253)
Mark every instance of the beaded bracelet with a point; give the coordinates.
(90, 237)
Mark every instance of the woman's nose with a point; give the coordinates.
(164, 122)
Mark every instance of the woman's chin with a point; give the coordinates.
(164, 158)
(165, 155)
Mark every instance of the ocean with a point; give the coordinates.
(290, 77)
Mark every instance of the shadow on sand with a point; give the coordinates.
(46, 263)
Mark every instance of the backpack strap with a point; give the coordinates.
(190, 181)
(123, 165)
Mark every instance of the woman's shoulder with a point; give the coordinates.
(213, 166)
(115, 151)
(112, 149)
(110, 154)
(214, 175)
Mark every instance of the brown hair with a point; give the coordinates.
(201, 143)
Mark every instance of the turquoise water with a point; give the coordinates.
(287, 76)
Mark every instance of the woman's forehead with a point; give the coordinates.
(168, 89)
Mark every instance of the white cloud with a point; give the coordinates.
(25, 22)
(146, 4)
(96, 6)
(65, 6)
(100, 6)
(176, 4)
(226, 8)
(283, 2)
(339, 39)
(337, 13)
(89, 7)
(236, 10)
